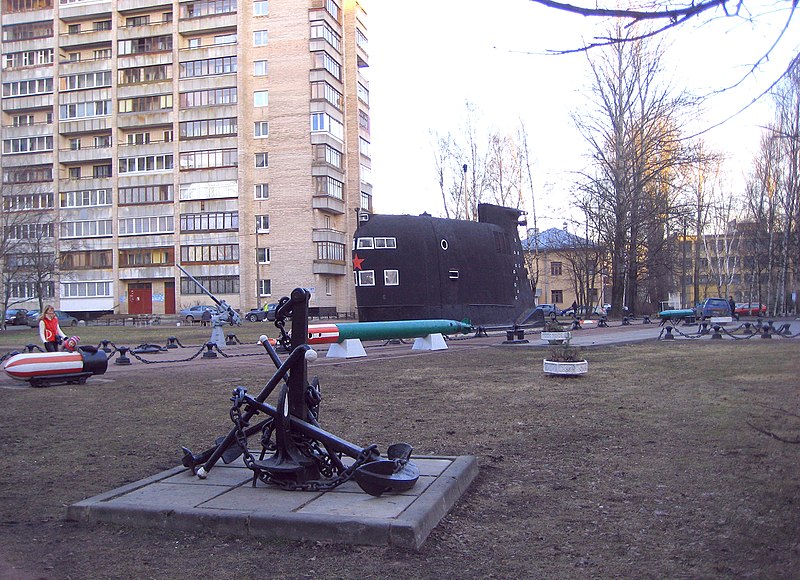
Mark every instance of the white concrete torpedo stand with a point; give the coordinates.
(345, 339)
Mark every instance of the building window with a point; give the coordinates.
(86, 229)
(28, 201)
(210, 254)
(144, 45)
(208, 67)
(327, 154)
(385, 243)
(100, 289)
(86, 198)
(262, 129)
(208, 128)
(363, 146)
(28, 87)
(262, 160)
(260, 38)
(265, 287)
(145, 74)
(556, 296)
(214, 284)
(32, 289)
(555, 268)
(262, 191)
(146, 194)
(83, 110)
(147, 257)
(262, 223)
(144, 164)
(207, 8)
(263, 255)
(208, 98)
(391, 277)
(330, 251)
(261, 98)
(212, 221)
(322, 60)
(366, 277)
(326, 185)
(322, 122)
(259, 68)
(85, 260)
(102, 171)
(260, 8)
(320, 90)
(28, 174)
(145, 104)
(324, 31)
(209, 159)
(164, 224)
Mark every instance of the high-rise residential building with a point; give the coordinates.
(226, 136)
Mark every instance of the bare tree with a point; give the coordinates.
(636, 149)
(481, 165)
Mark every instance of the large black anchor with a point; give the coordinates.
(303, 455)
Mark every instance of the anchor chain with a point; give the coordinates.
(326, 463)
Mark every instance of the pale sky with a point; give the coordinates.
(428, 57)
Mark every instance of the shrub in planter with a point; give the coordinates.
(565, 360)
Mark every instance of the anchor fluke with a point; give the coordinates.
(395, 474)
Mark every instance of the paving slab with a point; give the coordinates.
(227, 502)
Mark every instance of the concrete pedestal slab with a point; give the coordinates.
(227, 503)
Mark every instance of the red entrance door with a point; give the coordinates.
(169, 297)
(140, 298)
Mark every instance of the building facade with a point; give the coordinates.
(229, 137)
(564, 269)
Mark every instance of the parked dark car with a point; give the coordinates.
(713, 307)
(260, 314)
(196, 312)
(16, 316)
(64, 319)
(750, 309)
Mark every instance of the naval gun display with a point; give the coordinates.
(225, 315)
(304, 457)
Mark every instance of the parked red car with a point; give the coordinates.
(750, 309)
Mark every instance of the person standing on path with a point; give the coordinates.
(50, 332)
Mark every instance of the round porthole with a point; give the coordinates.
(444, 244)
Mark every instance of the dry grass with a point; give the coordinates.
(659, 463)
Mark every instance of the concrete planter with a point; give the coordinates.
(559, 337)
(576, 368)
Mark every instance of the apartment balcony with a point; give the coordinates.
(320, 74)
(84, 155)
(138, 150)
(23, 159)
(319, 13)
(85, 39)
(83, 10)
(80, 126)
(199, 113)
(144, 59)
(150, 119)
(328, 204)
(329, 267)
(24, 17)
(206, 52)
(124, 6)
(152, 29)
(34, 130)
(81, 183)
(31, 103)
(323, 169)
(209, 23)
(150, 88)
(71, 67)
(146, 273)
(328, 235)
(28, 44)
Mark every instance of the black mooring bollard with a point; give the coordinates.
(106, 349)
(668, 331)
(626, 321)
(230, 339)
(122, 359)
(210, 352)
(766, 331)
(603, 322)
(717, 334)
(31, 347)
(704, 328)
(172, 342)
(646, 320)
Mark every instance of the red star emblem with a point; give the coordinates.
(357, 262)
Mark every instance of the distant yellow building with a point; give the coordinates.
(564, 268)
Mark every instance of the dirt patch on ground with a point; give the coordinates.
(667, 460)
